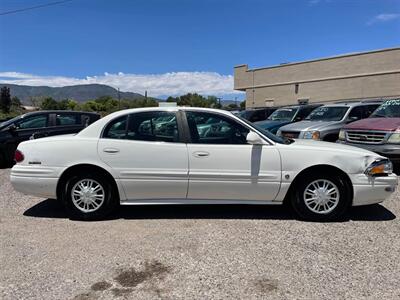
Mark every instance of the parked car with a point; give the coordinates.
(325, 122)
(117, 161)
(257, 114)
(379, 133)
(39, 124)
(286, 115)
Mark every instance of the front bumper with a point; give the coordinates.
(371, 190)
(391, 151)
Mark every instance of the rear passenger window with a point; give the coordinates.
(67, 119)
(153, 126)
(116, 129)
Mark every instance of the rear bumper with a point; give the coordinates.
(390, 151)
(370, 190)
(37, 186)
(35, 181)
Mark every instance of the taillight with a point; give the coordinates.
(18, 156)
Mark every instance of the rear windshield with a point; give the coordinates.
(328, 113)
(389, 109)
(283, 114)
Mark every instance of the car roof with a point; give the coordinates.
(353, 104)
(32, 113)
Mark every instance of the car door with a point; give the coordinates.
(224, 166)
(147, 152)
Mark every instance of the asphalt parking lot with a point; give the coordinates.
(196, 252)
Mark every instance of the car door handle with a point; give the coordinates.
(110, 150)
(201, 154)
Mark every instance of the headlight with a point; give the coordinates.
(342, 135)
(380, 168)
(279, 133)
(311, 135)
(394, 138)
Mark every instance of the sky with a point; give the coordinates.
(171, 47)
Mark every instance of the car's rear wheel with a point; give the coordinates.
(319, 197)
(90, 197)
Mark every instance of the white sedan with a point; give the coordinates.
(197, 156)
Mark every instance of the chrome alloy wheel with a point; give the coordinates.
(321, 196)
(87, 195)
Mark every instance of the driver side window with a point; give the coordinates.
(209, 128)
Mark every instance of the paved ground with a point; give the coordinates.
(198, 252)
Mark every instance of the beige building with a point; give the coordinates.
(366, 75)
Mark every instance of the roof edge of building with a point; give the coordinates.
(318, 59)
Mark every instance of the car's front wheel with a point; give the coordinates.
(90, 197)
(319, 197)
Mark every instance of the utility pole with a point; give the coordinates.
(219, 102)
(119, 100)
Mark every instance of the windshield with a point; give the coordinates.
(389, 109)
(268, 134)
(328, 113)
(283, 114)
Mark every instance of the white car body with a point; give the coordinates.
(172, 173)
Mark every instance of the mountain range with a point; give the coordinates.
(79, 93)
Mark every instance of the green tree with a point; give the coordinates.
(5, 100)
(15, 103)
(72, 105)
(48, 103)
(243, 104)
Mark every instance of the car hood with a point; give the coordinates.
(269, 124)
(385, 124)
(334, 147)
(352, 160)
(309, 125)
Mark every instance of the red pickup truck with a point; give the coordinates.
(379, 133)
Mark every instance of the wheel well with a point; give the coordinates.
(322, 169)
(83, 168)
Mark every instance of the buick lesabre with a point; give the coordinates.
(197, 156)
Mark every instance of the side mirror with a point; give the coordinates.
(12, 129)
(254, 139)
(297, 119)
(352, 119)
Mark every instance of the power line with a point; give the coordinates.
(33, 7)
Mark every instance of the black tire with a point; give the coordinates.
(305, 212)
(109, 204)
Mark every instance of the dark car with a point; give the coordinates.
(257, 114)
(379, 133)
(39, 124)
(286, 115)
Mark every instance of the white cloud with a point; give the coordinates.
(383, 18)
(175, 83)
